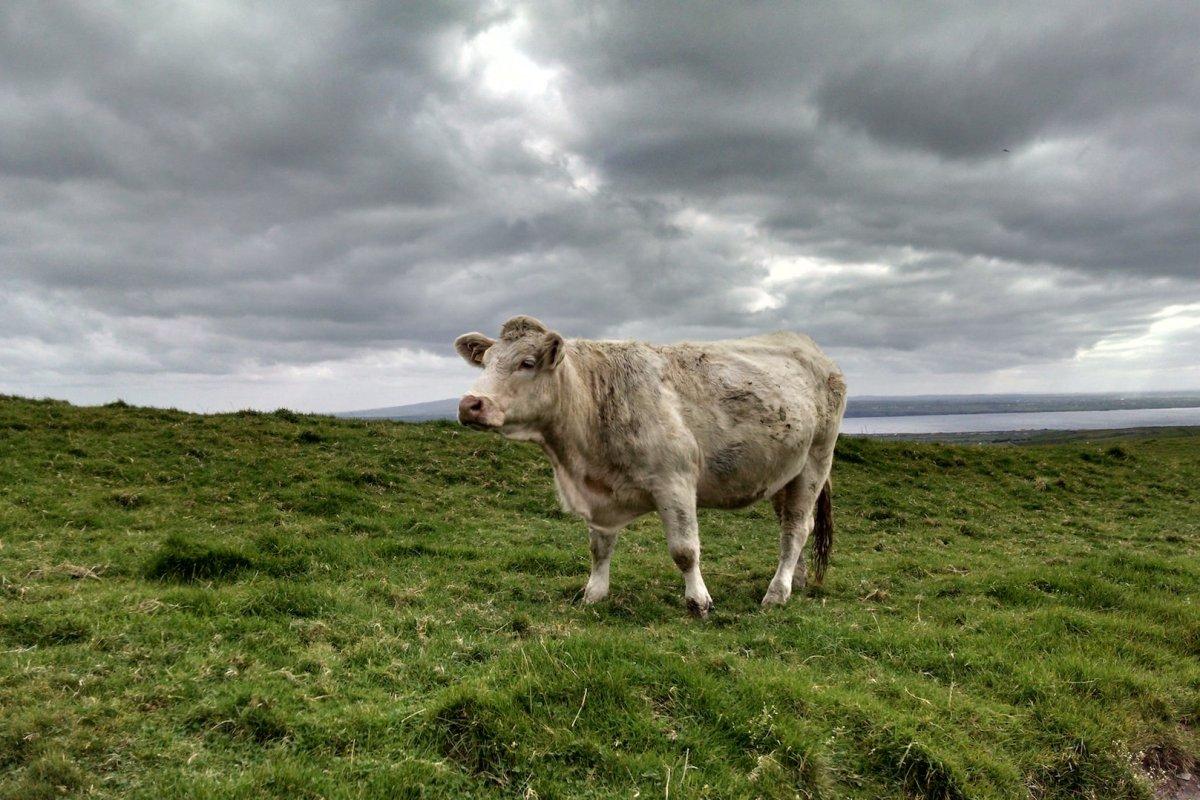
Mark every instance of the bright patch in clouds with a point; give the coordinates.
(1162, 333)
(502, 68)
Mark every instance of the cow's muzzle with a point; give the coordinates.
(475, 411)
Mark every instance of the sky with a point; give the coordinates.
(214, 205)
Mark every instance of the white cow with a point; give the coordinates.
(631, 427)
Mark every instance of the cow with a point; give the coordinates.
(631, 427)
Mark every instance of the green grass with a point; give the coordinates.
(253, 605)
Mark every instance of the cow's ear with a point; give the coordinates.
(552, 350)
(472, 346)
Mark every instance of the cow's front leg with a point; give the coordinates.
(678, 514)
(601, 542)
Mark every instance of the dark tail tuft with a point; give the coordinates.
(822, 536)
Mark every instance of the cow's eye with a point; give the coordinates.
(529, 363)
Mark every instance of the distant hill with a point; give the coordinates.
(881, 406)
(414, 412)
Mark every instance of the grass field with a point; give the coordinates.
(253, 605)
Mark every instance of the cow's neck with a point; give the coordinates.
(568, 436)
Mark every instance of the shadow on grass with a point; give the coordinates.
(185, 560)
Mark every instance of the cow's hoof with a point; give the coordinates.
(774, 597)
(699, 609)
(592, 595)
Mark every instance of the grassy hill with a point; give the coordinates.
(253, 605)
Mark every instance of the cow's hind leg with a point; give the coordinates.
(601, 542)
(794, 505)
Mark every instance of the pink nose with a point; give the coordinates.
(470, 409)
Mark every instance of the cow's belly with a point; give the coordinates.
(740, 473)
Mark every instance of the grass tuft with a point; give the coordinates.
(475, 729)
(127, 498)
(249, 717)
(1081, 771)
(917, 766)
(53, 775)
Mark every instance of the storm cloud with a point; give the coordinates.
(217, 205)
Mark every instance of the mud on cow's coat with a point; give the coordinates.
(631, 427)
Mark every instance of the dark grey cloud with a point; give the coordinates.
(1029, 76)
(261, 193)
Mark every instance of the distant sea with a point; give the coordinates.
(1023, 421)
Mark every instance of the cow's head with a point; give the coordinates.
(516, 388)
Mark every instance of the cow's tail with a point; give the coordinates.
(822, 534)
